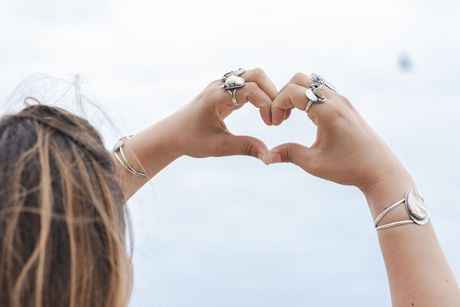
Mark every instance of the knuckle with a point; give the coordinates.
(337, 115)
(345, 101)
(342, 97)
(213, 95)
(298, 77)
(249, 149)
(251, 86)
(258, 72)
(235, 145)
(290, 154)
(335, 112)
(290, 87)
(215, 83)
(341, 107)
(214, 92)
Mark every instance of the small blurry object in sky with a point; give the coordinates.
(405, 63)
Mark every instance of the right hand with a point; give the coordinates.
(200, 131)
(346, 150)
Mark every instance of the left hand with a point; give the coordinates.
(199, 130)
(346, 150)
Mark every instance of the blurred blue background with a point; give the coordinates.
(232, 231)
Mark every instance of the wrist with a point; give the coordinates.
(167, 136)
(149, 151)
(155, 146)
(175, 130)
(387, 191)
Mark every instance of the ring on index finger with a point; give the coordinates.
(238, 73)
(232, 82)
(317, 79)
(314, 93)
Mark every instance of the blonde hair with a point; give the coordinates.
(62, 222)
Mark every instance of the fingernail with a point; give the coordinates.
(273, 158)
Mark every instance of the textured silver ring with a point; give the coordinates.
(231, 84)
(233, 95)
(238, 73)
(317, 79)
(314, 93)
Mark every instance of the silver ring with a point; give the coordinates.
(232, 93)
(309, 104)
(314, 94)
(319, 94)
(317, 79)
(31, 101)
(231, 84)
(238, 73)
(310, 95)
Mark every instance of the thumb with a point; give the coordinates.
(244, 145)
(291, 152)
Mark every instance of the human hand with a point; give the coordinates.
(199, 130)
(346, 150)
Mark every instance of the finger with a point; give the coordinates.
(297, 154)
(243, 145)
(253, 94)
(332, 98)
(288, 113)
(299, 79)
(293, 96)
(302, 80)
(259, 77)
(306, 81)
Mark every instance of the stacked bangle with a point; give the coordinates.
(121, 157)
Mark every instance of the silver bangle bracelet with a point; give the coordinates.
(121, 157)
(415, 208)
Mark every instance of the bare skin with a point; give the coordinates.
(346, 151)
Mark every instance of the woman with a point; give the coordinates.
(62, 194)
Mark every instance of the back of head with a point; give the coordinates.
(61, 214)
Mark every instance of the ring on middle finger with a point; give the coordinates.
(319, 80)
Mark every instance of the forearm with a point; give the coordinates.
(149, 151)
(418, 272)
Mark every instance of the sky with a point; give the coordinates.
(232, 231)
